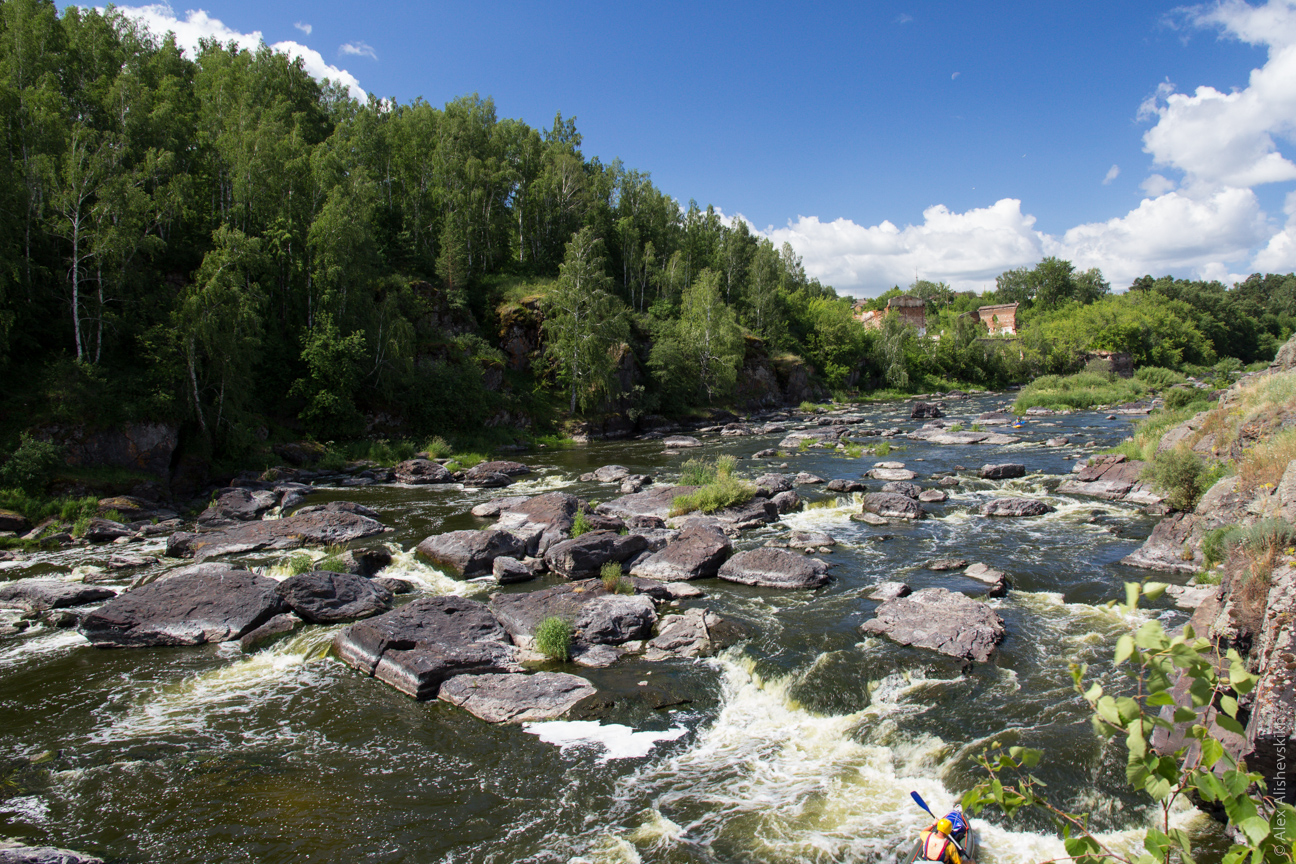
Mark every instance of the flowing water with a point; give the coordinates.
(800, 744)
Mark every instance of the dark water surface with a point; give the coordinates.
(799, 745)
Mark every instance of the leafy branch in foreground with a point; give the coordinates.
(1202, 767)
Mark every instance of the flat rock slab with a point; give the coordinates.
(542, 520)
(774, 568)
(903, 487)
(805, 478)
(492, 508)
(421, 472)
(697, 553)
(327, 525)
(596, 616)
(208, 604)
(471, 553)
(804, 539)
(891, 474)
(657, 502)
(942, 437)
(39, 595)
(941, 564)
(890, 506)
(933, 496)
(517, 697)
(421, 645)
(889, 591)
(997, 580)
(941, 620)
(584, 556)
(1013, 507)
(675, 442)
(501, 466)
(1003, 471)
(684, 635)
(321, 597)
(1111, 477)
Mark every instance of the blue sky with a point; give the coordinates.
(839, 127)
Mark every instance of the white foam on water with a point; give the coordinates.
(536, 485)
(406, 565)
(617, 741)
(29, 808)
(239, 687)
(772, 781)
(42, 643)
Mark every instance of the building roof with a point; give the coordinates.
(905, 301)
(996, 308)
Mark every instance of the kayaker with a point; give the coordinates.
(937, 843)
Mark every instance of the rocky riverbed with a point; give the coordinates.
(343, 667)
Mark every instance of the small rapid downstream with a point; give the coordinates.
(798, 745)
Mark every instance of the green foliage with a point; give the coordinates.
(299, 563)
(614, 580)
(580, 524)
(718, 488)
(553, 637)
(695, 358)
(1157, 377)
(1179, 474)
(1182, 397)
(32, 465)
(882, 449)
(81, 525)
(333, 364)
(1152, 660)
(1217, 542)
(37, 508)
(1080, 391)
(437, 447)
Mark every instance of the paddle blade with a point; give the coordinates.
(921, 803)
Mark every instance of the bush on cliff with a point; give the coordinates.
(1180, 475)
(32, 465)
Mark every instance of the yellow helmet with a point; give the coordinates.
(944, 825)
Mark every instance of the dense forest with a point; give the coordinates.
(226, 244)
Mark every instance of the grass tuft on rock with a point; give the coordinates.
(553, 637)
(580, 525)
(718, 487)
(614, 580)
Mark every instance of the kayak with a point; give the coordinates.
(968, 841)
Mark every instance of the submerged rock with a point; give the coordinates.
(321, 597)
(940, 620)
(212, 603)
(933, 496)
(419, 646)
(516, 697)
(774, 568)
(278, 627)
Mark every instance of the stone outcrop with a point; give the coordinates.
(321, 597)
(323, 526)
(39, 595)
(421, 472)
(1112, 477)
(938, 435)
(421, 645)
(1002, 471)
(696, 553)
(942, 621)
(891, 506)
(582, 557)
(653, 502)
(516, 697)
(540, 521)
(596, 616)
(470, 553)
(774, 568)
(1015, 507)
(212, 603)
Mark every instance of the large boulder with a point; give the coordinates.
(924, 411)
(891, 474)
(421, 472)
(657, 502)
(328, 524)
(470, 553)
(903, 487)
(15, 522)
(213, 603)
(1003, 471)
(582, 557)
(944, 437)
(847, 486)
(541, 521)
(596, 616)
(237, 505)
(891, 506)
(421, 645)
(516, 697)
(684, 635)
(1011, 507)
(941, 620)
(40, 595)
(773, 484)
(697, 553)
(321, 597)
(105, 531)
(1112, 477)
(509, 469)
(774, 568)
(607, 474)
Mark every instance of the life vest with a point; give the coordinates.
(935, 845)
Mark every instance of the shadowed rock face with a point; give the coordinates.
(1003, 471)
(329, 524)
(211, 604)
(774, 568)
(418, 646)
(517, 698)
(1015, 507)
(941, 620)
(582, 557)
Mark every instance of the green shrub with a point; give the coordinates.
(32, 465)
(725, 491)
(332, 460)
(438, 448)
(580, 525)
(852, 451)
(1158, 377)
(883, 449)
(1080, 391)
(1267, 535)
(1180, 475)
(1207, 577)
(299, 563)
(957, 427)
(697, 472)
(1216, 544)
(1182, 397)
(553, 638)
(331, 563)
(79, 527)
(614, 581)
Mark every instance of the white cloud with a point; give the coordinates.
(358, 49)
(305, 28)
(1112, 173)
(197, 24)
(955, 76)
(903, 18)
(1157, 184)
(966, 250)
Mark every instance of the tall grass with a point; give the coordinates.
(553, 637)
(1080, 391)
(718, 488)
(38, 508)
(614, 581)
(1264, 464)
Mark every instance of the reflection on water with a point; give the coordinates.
(800, 745)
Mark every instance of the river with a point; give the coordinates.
(799, 745)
